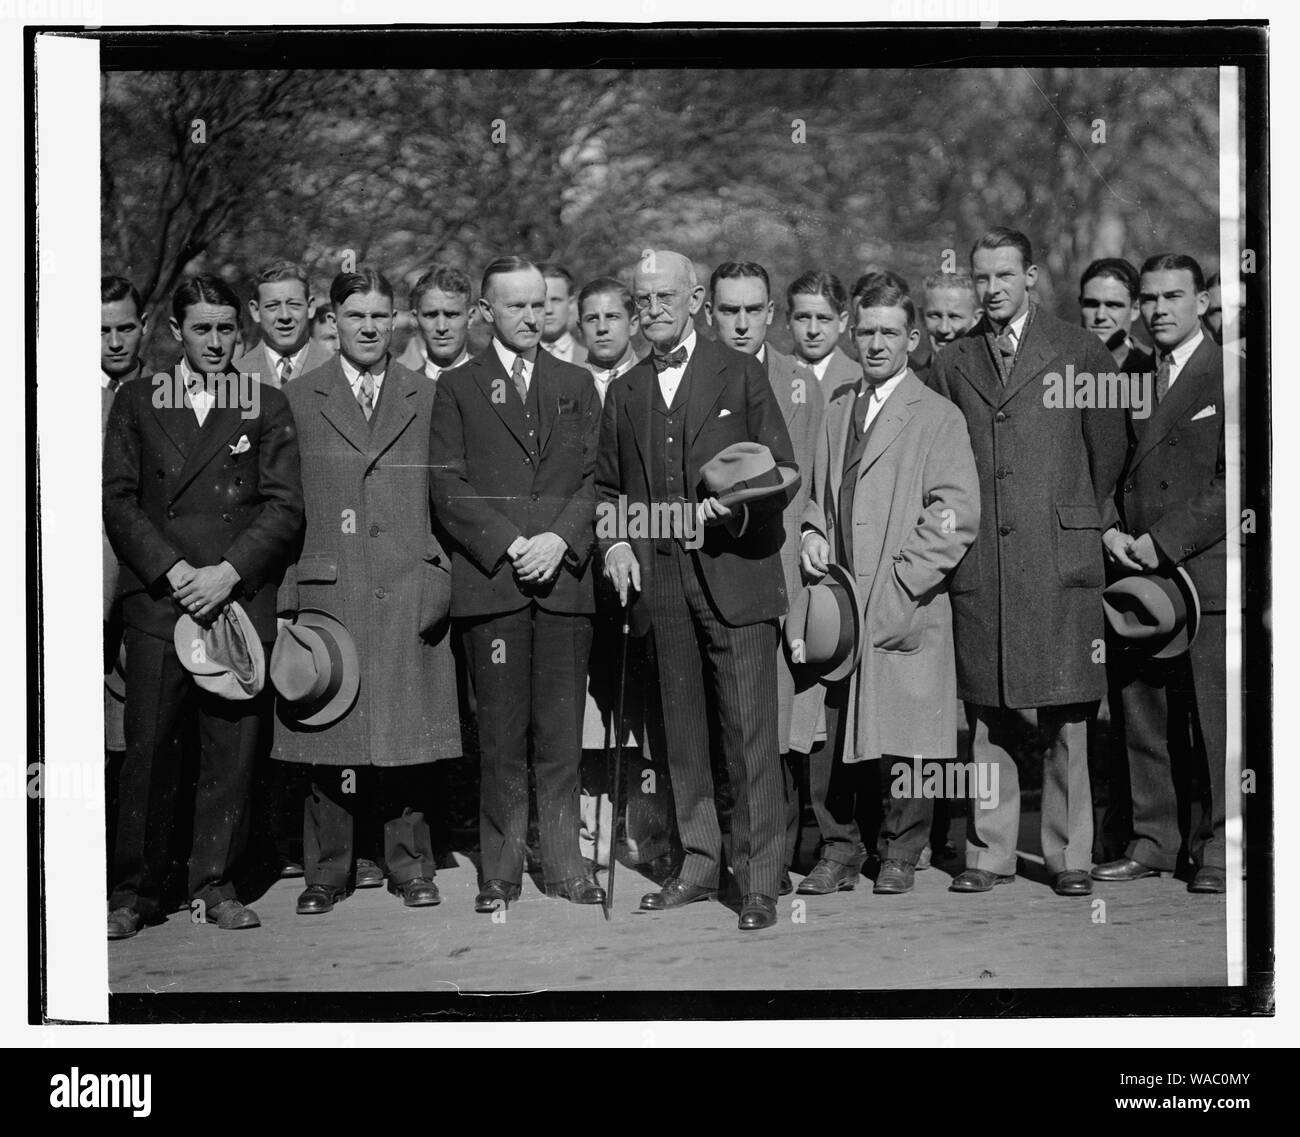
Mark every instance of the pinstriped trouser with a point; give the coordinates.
(701, 659)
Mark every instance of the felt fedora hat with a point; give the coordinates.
(823, 631)
(315, 669)
(744, 471)
(226, 656)
(1154, 614)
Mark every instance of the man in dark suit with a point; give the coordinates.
(1027, 596)
(1171, 511)
(713, 603)
(514, 439)
(283, 308)
(203, 504)
(1107, 306)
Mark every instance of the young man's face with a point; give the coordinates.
(605, 328)
(121, 335)
(443, 319)
(283, 310)
(207, 336)
(1106, 308)
(815, 326)
(948, 313)
(1002, 283)
(1170, 305)
(365, 323)
(741, 311)
(883, 340)
(515, 306)
(558, 303)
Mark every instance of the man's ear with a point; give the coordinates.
(844, 322)
(311, 308)
(175, 327)
(253, 310)
(485, 311)
(473, 316)
(771, 313)
(913, 339)
(708, 312)
(1202, 303)
(697, 298)
(1031, 275)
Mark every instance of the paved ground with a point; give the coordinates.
(1150, 933)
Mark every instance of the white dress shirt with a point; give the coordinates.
(197, 395)
(1181, 354)
(879, 393)
(604, 377)
(353, 376)
(761, 353)
(432, 370)
(1016, 328)
(563, 348)
(298, 360)
(508, 358)
(670, 378)
(819, 368)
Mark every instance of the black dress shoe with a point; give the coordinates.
(1126, 868)
(1209, 879)
(579, 890)
(978, 880)
(829, 876)
(123, 923)
(674, 894)
(894, 878)
(232, 916)
(1072, 882)
(495, 894)
(317, 899)
(786, 886)
(290, 870)
(418, 892)
(369, 874)
(757, 911)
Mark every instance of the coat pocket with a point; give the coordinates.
(317, 568)
(897, 622)
(1078, 546)
(435, 596)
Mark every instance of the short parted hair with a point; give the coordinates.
(878, 276)
(1112, 268)
(1173, 262)
(114, 288)
(363, 280)
(958, 281)
(738, 270)
(277, 271)
(884, 294)
(203, 289)
(818, 283)
(1001, 237)
(607, 286)
(553, 270)
(503, 265)
(445, 278)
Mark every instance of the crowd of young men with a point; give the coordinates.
(347, 566)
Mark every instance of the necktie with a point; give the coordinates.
(1162, 375)
(517, 374)
(366, 394)
(1006, 345)
(286, 369)
(113, 383)
(672, 359)
(198, 399)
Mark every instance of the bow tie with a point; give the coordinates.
(672, 359)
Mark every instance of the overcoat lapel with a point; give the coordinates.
(394, 412)
(976, 365)
(1035, 353)
(888, 423)
(340, 408)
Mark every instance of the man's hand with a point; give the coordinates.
(540, 556)
(516, 547)
(712, 511)
(1119, 548)
(622, 570)
(814, 550)
(180, 574)
(207, 589)
(1143, 550)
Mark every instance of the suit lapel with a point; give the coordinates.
(706, 387)
(176, 419)
(889, 422)
(498, 388)
(548, 399)
(782, 376)
(839, 428)
(341, 409)
(220, 424)
(975, 364)
(1035, 353)
(638, 406)
(1177, 402)
(394, 412)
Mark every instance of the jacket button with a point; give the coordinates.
(898, 556)
(1164, 485)
(1128, 487)
(1005, 530)
(1174, 441)
(239, 481)
(159, 474)
(226, 517)
(1001, 416)
(171, 513)
(537, 497)
(380, 593)
(374, 530)
(525, 461)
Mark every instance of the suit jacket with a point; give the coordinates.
(916, 510)
(488, 489)
(1173, 485)
(742, 573)
(1027, 596)
(255, 361)
(174, 490)
(110, 558)
(841, 371)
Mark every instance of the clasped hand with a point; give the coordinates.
(536, 559)
(201, 591)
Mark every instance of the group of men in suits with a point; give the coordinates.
(442, 508)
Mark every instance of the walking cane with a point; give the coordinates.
(618, 767)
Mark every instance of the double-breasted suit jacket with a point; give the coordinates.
(1027, 595)
(370, 557)
(916, 510)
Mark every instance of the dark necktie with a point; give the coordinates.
(517, 374)
(114, 383)
(672, 359)
(366, 394)
(286, 370)
(1006, 345)
(1162, 376)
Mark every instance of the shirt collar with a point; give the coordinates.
(688, 343)
(819, 368)
(565, 344)
(463, 357)
(1183, 352)
(508, 357)
(761, 353)
(1017, 326)
(882, 391)
(353, 375)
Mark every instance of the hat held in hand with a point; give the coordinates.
(1153, 614)
(745, 471)
(315, 669)
(225, 657)
(823, 631)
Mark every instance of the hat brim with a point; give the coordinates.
(1154, 644)
(849, 664)
(789, 480)
(1184, 637)
(321, 714)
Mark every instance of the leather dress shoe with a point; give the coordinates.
(231, 916)
(756, 911)
(123, 923)
(1208, 879)
(674, 894)
(578, 890)
(317, 899)
(290, 870)
(1072, 882)
(786, 886)
(495, 894)
(418, 892)
(369, 874)
(1126, 868)
(894, 878)
(827, 877)
(978, 880)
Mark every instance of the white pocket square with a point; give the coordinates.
(1207, 412)
(723, 413)
(240, 447)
